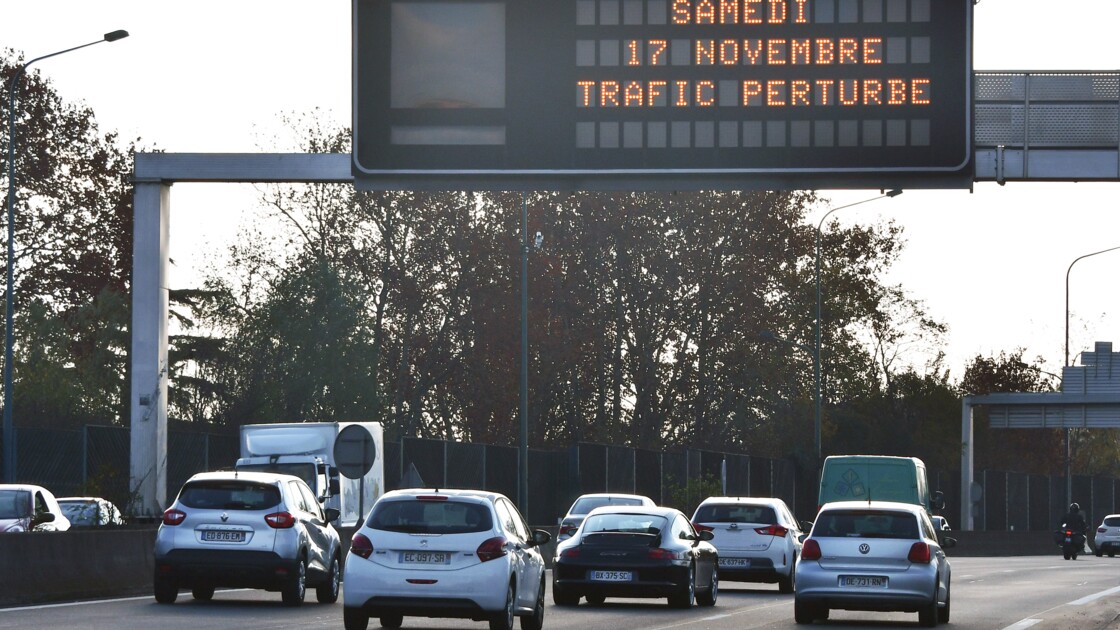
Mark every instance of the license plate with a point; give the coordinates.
(735, 563)
(612, 576)
(222, 535)
(863, 581)
(425, 557)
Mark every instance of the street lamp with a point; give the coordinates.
(9, 433)
(523, 447)
(1069, 455)
(817, 354)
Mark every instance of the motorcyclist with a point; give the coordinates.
(1074, 520)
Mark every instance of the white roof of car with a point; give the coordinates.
(23, 486)
(747, 500)
(224, 475)
(458, 492)
(873, 505)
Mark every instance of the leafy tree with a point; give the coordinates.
(73, 240)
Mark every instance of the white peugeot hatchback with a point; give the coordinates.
(758, 538)
(445, 553)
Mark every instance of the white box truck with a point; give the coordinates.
(341, 461)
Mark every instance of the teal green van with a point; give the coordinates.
(877, 478)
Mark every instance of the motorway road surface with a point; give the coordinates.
(1040, 592)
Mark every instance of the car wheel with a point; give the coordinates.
(687, 594)
(536, 620)
(356, 619)
(390, 621)
(596, 600)
(327, 592)
(802, 612)
(561, 596)
(503, 620)
(1112, 554)
(927, 615)
(943, 613)
(296, 588)
(708, 597)
(1100, 553)
(203, 593)
(166, 590)
(786, 583)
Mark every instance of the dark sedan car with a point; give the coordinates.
(636, 551)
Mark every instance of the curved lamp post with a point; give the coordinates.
(817, 354)
(1069, 450)
(9, 433)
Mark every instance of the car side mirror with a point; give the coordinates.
(949, 543)
(802, 537)
(541, 537)
(332, 514)
(42, 517)
(937, 501)
(706, 535)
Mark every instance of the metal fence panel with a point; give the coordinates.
(1018, 501)
(591, 468)
(501, 470)
(428, 458)
(51, 458)
(1040, 503)
(648, 474)
(620, 469)
(466, 466)
(760, 477)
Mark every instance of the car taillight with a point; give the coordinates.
(1101, 530)
(570, 552)
(491, 549)
(773, 530)
(280, 520)
(567, 529)
(173, 517)
(361, 546)
(702, 528)
(665, 554)
(919, 552)
(811, 550)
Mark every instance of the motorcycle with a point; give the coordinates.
(1071, 542)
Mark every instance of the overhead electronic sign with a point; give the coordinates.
(569, 94)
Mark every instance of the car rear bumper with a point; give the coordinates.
(879, 602)
(451, 607)
(761, 570)
(241, 569)
(659, 582)
(465, 592)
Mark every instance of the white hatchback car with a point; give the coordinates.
(758, 539)
(587, 502)
(445, 553)
(1107, 539)
(873, 555)
(29, 508)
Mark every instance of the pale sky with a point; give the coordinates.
(209, 76)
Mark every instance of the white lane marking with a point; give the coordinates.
(737, 612)
(102, 601)
(1094, 597)
(714, 617)
(1026, 623)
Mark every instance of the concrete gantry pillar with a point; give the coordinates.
(148, 405)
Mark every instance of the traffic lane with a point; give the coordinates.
(987, 593)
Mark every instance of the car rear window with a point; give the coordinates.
(865, 524)
(586, 504)
(624, 523)
(1112, 521)
(430, 517)
(229, 495)
(735, 513)
(80, 512)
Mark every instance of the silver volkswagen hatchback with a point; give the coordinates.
(873, 555)
(247, 530)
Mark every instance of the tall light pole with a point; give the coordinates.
(1069, 454)
(817, 354)
(9, 338)
(523, 447)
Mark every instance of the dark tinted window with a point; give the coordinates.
(1112, 521)
(229, 495)
(865, 524)
(586, 504)
(82, 512)
(735, 513)
(430, 517)
(15, 504)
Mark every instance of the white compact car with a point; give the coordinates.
(29, 508)
(587, 502)
(1107, 539)
(873, 555)
(758, 539)
(445, 553)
